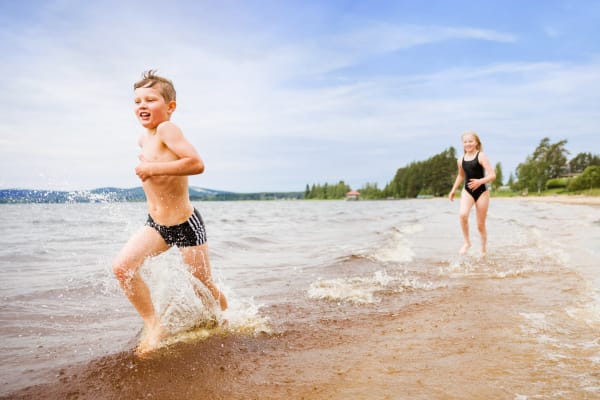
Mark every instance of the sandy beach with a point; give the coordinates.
(564, 199)
(455, 345)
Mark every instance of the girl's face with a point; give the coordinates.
(151, 108)
(470, 143)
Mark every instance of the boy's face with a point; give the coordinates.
(151, 108)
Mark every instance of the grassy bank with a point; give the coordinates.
(550, 192)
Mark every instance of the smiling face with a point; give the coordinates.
(150, 108)
(471, 142)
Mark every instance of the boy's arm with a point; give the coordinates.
(188, 161)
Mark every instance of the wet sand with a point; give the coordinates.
(455, 345)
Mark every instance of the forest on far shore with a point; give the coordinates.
(547, 168)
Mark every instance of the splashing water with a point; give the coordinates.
(188, 310)
(181, 301)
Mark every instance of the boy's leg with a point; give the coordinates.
(481, 209)
(196, 257)
(466, 202)
(145, 243)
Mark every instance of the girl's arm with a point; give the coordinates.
(459, 178)
(490, 175)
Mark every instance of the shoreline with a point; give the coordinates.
(435, 348)
(563, 199)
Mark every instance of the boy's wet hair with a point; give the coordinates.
(165, 86)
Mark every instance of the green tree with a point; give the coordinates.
(589, 179)
(370, 191)
(327, 191)
(511, 181)
(433, 176)
(498, 182)
(556, 160)
(547, 161)
(581, 161)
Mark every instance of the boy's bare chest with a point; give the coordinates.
(155, 150)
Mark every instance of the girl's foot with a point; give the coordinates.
(464, 249)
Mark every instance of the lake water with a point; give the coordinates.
(328, 299)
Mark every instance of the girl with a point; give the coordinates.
(475, 169)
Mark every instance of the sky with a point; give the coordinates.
(279, 94)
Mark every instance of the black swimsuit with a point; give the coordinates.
(473, 170)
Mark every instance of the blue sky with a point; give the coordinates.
(279, 94)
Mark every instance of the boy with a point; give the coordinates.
(166, 160)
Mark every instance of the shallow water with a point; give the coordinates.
(328, 300)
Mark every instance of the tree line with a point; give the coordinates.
(548, 167)
(327, 191)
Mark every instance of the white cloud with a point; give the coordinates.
(269, 112)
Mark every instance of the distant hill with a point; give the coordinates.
(110, 194)
(197, 193)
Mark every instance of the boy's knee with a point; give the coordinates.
(122, 271)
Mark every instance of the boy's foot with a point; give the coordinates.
(222, 302)
(151, 340)
(464, 249)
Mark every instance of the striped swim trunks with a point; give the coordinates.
(190, 233)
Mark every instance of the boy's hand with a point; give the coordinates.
(143, 169)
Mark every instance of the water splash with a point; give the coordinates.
(396, 248)
(181, 301)
(188, 310)
(363, 290)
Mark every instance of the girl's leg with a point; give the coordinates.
(143, 244)
(481, 209)
(466, 202)
(197, 259)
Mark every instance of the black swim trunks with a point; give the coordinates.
(190, 233)
(473, 170)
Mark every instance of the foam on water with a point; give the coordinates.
(589, 313)
(528, 252)
(364, 289)
(561, 344)
(396, 247)
(475, 267)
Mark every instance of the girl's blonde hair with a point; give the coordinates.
(474, 134)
